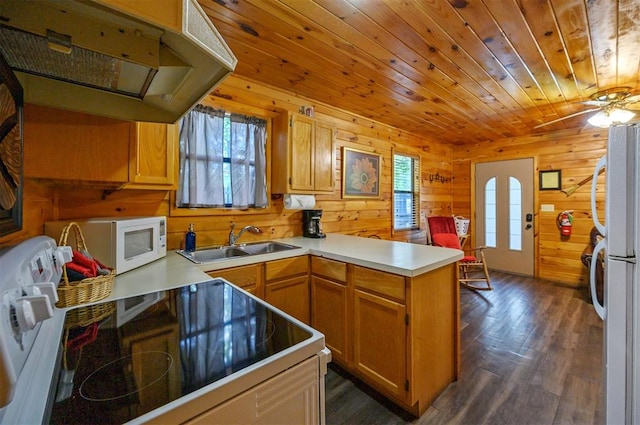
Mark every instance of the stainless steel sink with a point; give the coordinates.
(258, 248)
(213, 254)
(208, 255)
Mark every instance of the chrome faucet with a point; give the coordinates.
(234, 238)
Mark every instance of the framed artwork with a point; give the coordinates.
(11, 153)
(550, 180)
(360, 174)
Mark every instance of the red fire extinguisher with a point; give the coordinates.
(564, 221)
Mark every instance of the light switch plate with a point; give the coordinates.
(547, 207)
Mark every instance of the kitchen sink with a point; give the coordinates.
(266, 247)
(208, 255)
(213, 254)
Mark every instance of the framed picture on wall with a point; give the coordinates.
(11, 162)
(360, 174)
(550, 180)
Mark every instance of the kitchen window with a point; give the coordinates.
(406, 192)
(222, 160)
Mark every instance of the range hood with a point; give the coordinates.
(137, 60)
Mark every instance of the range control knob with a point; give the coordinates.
(32, 309)
(48, 289)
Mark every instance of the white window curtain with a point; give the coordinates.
(222, 160)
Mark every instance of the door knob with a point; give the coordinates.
(528, 227)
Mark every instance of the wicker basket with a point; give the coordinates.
(86, 290)
(462, 225)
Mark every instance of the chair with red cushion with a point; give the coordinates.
(441, 231)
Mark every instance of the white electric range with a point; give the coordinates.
(200, 352)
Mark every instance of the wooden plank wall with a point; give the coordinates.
(44, 201)
(575, 153)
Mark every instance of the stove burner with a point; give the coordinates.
(95, 387)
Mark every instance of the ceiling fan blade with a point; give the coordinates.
(595, 102)
(566, 117)
(632, 99)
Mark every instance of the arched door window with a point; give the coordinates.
(515, 214)
(490, 213)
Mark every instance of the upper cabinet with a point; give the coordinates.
(71, 146)
(305, 147)
(152, 155)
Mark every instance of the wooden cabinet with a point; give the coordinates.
(71, 146)
(379, 339)
(287, 286)
(250, 277)
(153, 152)
(329, 305)
(306, 147)
(398, 334)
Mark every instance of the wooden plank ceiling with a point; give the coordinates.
(458, 71)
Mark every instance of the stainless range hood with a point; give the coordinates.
(137, 60)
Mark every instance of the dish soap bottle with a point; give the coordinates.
(190, 239)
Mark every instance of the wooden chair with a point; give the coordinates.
(441, 231)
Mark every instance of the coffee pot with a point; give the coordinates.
(311, 226)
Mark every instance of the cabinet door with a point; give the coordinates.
(324, 177)
(291, 296)
(302, 154)
(247, 277)
(66, 145)
(380, 343)
(329, 315)
(153, 156)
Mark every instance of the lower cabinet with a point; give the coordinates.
(329, 305)
(379, 339)
(287, 286)
(250, 277)
(398, 334)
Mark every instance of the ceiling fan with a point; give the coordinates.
(613, 106)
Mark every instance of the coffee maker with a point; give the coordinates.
(311, 226)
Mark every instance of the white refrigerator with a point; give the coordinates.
(620, 246)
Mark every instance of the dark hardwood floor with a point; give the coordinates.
(531, 354)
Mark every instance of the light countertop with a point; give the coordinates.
(401, 258)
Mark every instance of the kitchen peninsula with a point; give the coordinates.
(389, 310)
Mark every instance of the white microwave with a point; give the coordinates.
(121, 243)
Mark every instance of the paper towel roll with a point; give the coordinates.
(299, 202)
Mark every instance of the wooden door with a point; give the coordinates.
(249, 277)
(67, 145)
(380, 342)
(324, 157)
(504, 214)
(153, 155)
(301, 153)
(329, 315)
(291, 296)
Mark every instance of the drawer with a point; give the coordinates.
(379, 282)
(332, 269)
(243, 276)
(287, 267)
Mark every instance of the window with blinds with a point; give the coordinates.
(406, 192)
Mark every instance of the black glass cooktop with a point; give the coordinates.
(122, 359)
